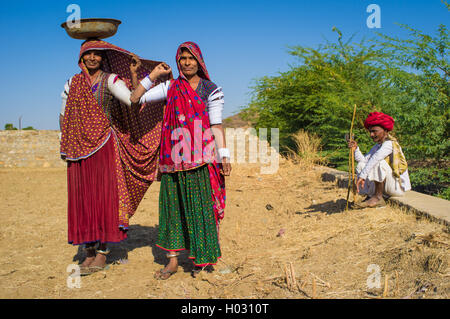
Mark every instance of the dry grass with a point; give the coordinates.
(307, 150)
(285, 235)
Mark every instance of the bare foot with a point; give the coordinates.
(168, 271)
(99, 261)
(373, 201)
(87, 262)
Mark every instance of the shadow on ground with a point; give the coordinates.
(330, 207)
(138, 237)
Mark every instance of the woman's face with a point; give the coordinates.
(92, 59)
(378, 134)
(188, 63)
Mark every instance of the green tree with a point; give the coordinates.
(9, 127)
(426, 122)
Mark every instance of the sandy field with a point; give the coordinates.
(285, 235)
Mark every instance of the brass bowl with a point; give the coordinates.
(92, 28)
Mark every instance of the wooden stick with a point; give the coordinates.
(351, 158)
(349, 181)
(294, 281)
(314, 288)
(322, 281)
(353, 178)
(386, 288)
(288, 279)
(302, 291)
(353, 155)
(304, 281)
(396, 285)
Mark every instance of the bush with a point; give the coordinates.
(308, 149)
(10, 127)
(431, 180)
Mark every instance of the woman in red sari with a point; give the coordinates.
(111, 149)
(192, 193)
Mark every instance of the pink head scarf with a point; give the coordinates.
(186, 138)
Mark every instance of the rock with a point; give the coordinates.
(225, 271)
(281, 232)
(269, 207)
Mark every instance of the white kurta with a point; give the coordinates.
(373, 168)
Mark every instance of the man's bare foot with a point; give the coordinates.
(373, 201)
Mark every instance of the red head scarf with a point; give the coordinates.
(380, 119)
(86, 127)
(197, 53)
(116, 60)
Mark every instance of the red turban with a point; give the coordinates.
(380, 119)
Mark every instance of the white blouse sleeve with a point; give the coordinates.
(384, 151)
(359, 157)
(65, 95)
(215, 106)
(119, 89)
(156, 94)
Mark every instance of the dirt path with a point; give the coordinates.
(272, 221)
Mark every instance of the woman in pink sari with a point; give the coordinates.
(192, 194)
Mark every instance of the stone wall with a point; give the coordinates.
(30, 149)
(41, 149)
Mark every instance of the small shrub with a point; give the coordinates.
(308, 148)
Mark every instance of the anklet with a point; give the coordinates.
(172, 255)
(103, 252)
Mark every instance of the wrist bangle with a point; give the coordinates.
(224, 152)
(146, 82)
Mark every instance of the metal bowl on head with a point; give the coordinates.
(92, 28)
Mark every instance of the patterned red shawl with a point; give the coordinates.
(186, 138)
(86, 128)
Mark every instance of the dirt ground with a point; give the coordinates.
(277, 228)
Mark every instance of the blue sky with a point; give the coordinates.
(241, 41)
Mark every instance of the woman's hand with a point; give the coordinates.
(161, 70)
(135, 63)
(225, 170)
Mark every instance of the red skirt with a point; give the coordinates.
(93, 203)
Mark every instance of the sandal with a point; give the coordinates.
(92, 269)
(87, 270)
(164, 274)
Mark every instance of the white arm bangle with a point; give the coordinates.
(146, 82)
(224, 152)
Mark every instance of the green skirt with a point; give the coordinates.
(186, 216)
